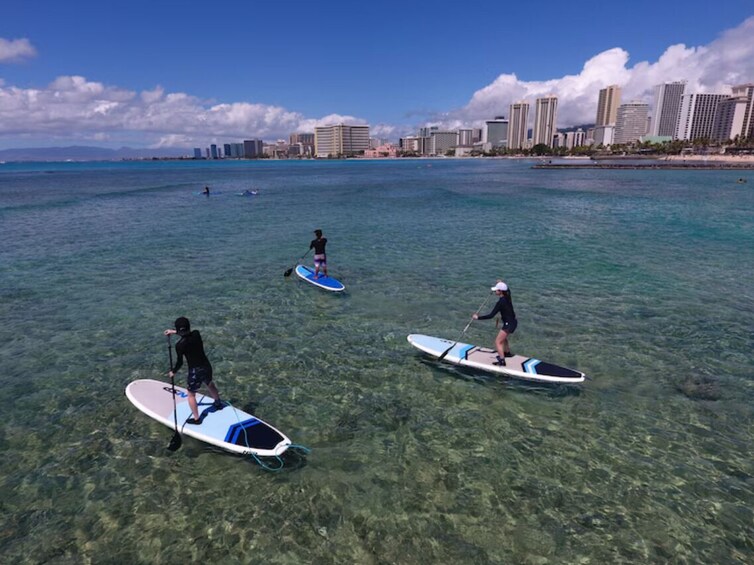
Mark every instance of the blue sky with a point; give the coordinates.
(180, 73)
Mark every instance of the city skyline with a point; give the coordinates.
(165, 79)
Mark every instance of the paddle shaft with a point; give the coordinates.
(289, 271)
(444, 353)
(175, 443)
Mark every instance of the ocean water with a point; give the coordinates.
(640, 279)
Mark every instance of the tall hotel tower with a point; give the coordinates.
(631, 122)
(607, 106)
(666, 108)
(697, 116)
(544, 119)
(340, 140)
(735, 115)
(518, 124)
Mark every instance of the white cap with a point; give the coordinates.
(500, 286)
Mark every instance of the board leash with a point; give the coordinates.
(260, 462)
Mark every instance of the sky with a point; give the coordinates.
(184, 74)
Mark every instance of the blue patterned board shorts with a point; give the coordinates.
(320, 260)
(197, 376)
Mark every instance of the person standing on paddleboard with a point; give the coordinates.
(199, 370)
(504, 307)
(320, 258)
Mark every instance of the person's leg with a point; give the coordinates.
(324, 266)
(501, 342)
(215, 394)
(192, 405)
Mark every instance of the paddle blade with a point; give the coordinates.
(288, 272)
(175, 442)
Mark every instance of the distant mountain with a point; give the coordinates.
(84, 153)
(582, 127)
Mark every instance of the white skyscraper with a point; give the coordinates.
(518, 125)
(545, 114)
(667, 104)
(697, 116)
(631, 122)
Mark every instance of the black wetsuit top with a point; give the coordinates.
(318, 245)
(504, 307)
(192, 348)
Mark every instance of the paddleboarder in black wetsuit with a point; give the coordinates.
(504, 307)
(320, 258)
(199, 370)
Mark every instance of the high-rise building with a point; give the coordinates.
(197, 152)
(604, 135)
(667, 104)
(545, 114)
(607, 106)
(697, 116)
(518, 124)
(440, 142)
(747, 91)
(496, 132)
(253, 148)
(410, 144)
(465, 137)
(575, 138)
(631, 122)
(306, 140)
(734, 115)
(340, 140)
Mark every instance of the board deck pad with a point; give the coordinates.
(328, 283)
(483, 358)
(230, 428)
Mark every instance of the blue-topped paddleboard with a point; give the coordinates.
(230, 428)
(328, 283)
(483, 358)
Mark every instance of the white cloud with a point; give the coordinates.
(15, 50)
(726, 61)
(73, 108)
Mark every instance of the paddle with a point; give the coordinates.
(444, 353)
(175, 443)
(289, 271)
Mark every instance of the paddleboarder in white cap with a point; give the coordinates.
(508, 322)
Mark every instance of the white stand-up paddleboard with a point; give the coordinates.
(230, 428)
(328, 283)
(483, 358)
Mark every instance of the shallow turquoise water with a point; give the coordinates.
(641, 279)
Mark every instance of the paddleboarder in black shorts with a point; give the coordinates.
(199, 370)
(504, 307)
(320, 258)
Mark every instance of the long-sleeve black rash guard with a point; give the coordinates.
(504, 307)
(192, 348)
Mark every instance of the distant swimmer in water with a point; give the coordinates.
(741, 181)
(205, 192)
(249, 193)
